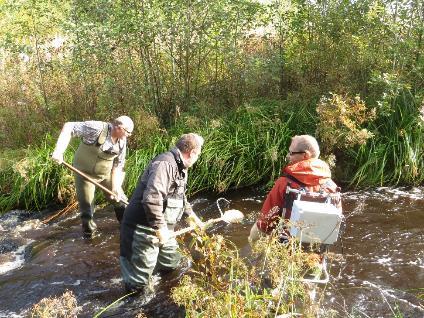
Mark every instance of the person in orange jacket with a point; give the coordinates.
(304, 170)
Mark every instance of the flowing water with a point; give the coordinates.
(377, 268)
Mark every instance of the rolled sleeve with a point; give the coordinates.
(89, 131)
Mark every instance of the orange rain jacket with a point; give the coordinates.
(314, 173)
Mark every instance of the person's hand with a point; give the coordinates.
(255, 234)
(119, 195)
(57, 156)
(194, 221)
(163, 235)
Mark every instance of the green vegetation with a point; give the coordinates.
(232, 156)
(245, 74)
(396, 153)
(223, 284)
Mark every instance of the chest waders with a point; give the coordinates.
(175, 205)
(145, 256)
(97, 164)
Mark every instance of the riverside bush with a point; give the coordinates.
(395, 155)
(223, 284)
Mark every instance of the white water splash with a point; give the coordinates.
(29, 225)
(76, 283)
(19, 255)
(389, 293)
(387, 194)
(116, 281)
(384, 261)
(10, 315)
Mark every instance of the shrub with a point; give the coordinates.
(223, 284)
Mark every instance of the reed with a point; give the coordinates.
(395, 155)
(33, 180)
(244, 147)
(138, 159)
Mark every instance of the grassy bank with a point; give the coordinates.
(243, 147)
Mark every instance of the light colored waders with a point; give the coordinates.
(97, 164)
(146, 255)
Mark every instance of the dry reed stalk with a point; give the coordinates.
(72, 206)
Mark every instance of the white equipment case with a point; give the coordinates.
(315, 222)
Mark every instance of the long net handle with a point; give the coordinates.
(92, 181)
(191, 228)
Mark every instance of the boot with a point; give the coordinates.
(139, 290)
(119, 212)
(88, 227)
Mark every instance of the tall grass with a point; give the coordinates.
(243, 148)
(139, 158)
(31, 181)
(396, 154)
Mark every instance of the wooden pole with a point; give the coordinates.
(92, 181)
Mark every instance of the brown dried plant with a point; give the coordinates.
(64, 306)
(341, 122)
(223, 284)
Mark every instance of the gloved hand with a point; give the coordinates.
(120, 195)
(163, 235)
(57, 156)
(194, 221)
(255, 234)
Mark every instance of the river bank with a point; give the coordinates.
(242, 148)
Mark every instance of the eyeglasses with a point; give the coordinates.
(129, 133)
(291, 153)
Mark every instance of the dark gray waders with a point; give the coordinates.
(147, 254)
(91, 160)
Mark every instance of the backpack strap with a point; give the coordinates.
(179, 162)
(289, 197)
(291, 178)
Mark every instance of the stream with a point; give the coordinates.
(377, 268)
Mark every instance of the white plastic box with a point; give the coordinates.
(314, 222)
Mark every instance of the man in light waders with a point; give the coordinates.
(157, 204)
(100, 156)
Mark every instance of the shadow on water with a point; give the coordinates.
(377, 269)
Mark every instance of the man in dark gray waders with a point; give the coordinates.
(101, 156)
(157, 204)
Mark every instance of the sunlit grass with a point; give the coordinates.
(31, 181)
(396, 154)
(244, 147)
(62, 306)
